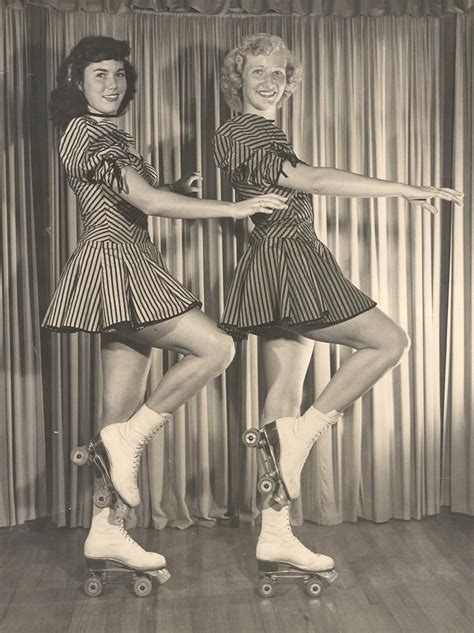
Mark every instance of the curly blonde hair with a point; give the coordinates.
(234, 62)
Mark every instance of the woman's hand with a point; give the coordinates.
(261, 204)
(188, 184)
(422, 196)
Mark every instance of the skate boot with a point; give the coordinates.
(115, 452)
(109, 550)
(285, 444)
(281, 556)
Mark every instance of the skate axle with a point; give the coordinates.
(95, 454)
(267, 441)
(273, 572)
(100, 569)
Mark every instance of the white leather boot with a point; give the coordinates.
(108, 541)
(278, 544)
(124, 443)
(292, 439)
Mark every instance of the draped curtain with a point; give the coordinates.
(389, 97)
(346, 8)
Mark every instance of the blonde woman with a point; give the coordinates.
(288, 288)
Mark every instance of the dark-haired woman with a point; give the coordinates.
(288, 288)
(116, 283)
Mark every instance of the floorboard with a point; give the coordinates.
(396, 577)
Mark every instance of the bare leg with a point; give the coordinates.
(206, 353)
(126, 363)
(285, 357)
(380, 344)
(125, 369)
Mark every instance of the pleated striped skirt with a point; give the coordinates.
(281, 281)
(106, 283)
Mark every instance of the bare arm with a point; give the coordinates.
(327, 181)
(166, 204)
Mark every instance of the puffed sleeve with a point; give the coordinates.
(254, 161)
(96, 154)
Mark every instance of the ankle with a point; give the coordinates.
(147, 421)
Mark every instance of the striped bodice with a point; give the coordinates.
(251, 150)
(93, 153)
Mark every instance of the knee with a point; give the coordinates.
(221, 353)
(397, 346)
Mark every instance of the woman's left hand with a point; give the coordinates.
(188, 184)
(422, 197)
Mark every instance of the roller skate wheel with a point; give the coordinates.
(266, 588)
(142, 586)
(266, 485)
(93, 587)
(80, 456)
(251, 438)
(102, 498)
(314, 588)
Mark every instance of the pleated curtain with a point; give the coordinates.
(389, 97)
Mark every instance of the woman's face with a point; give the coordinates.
(104, 86)
(264, 81)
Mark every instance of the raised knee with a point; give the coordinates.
(398, 347)
(222, 352)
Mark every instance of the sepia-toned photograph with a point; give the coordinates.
(237, 316)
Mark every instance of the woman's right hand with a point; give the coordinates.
(260, 204)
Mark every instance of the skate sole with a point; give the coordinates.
(271, 573)
(101, 569)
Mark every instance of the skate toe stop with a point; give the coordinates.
(161, 575)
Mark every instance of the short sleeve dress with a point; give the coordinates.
(286, 276)
(116, 274)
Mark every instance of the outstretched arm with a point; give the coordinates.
(327, 181)
(167, 204)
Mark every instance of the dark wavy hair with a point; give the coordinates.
(67, 100)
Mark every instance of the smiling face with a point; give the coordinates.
(264, 81)
(104, 86)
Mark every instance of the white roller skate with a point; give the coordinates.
(110, 550)
(281, 556)
(285, 444)
(115, 452)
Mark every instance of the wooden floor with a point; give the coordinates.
(398, 577)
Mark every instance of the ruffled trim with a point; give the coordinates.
(242, 333)
(110, 154)
(97, 153)
(264, 166)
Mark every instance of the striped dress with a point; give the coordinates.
(116, 274)
(286, 276)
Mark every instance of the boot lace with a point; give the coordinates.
(126, 535)
(140, 446)
(318, 434)
(294, 539)
(309, 445)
